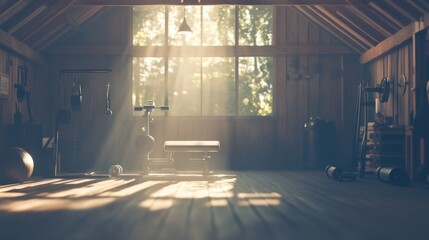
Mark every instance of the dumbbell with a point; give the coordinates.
(115, 170)
(333, 172)
(339, 174)
(394, 175)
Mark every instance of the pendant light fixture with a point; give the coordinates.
(184, 27)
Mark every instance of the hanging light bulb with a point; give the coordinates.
(184, 27)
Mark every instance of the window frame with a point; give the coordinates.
(236, 51)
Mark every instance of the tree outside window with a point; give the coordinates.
(217, 79)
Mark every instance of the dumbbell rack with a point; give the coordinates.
(385, 147)
(362, 114)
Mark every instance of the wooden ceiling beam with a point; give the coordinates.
(28, 18)
(66, 24)
(401, 9)
(43, 19)
(330, 29)
(416, 6)
(195, 51)
(345, 35)
(386, 14)
(361, 13)
(356, 26)
(71, 21)
(209, 2)
(45, 40)
(6, 4)
(11, 10)
(362, 22)
(14, 45)
(395, 40)
(344, 26)
(22, 13)
(424, 3)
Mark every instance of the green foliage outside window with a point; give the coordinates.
(175, 18)
(148, 80)
(148, 26)
(207, 85)
(219, 25)
(218, 86)
(184, 86)
(255, 25)
(256, 87)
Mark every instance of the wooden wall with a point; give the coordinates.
(329, 93)
(410, 60)
(39, 86)
(248, 142)
(392, 65)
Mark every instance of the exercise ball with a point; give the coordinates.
(16, 165)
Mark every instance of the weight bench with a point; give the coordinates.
(204, 147)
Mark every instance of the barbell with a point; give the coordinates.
(383, 89)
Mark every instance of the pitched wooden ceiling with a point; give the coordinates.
(360, 24)
(39, 23)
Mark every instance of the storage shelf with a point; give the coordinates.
(385, 147)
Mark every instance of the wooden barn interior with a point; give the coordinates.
(274, 119)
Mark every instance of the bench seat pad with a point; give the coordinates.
(191, 146)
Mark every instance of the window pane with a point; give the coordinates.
(148, 26)
(148, 81)
(218, 25)
(218, 86)
(255, 25)
(255, 86)
(184, 86)
(193, 18)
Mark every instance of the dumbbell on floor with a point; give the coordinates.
(394, 175)
(115, 170)
(339, 174)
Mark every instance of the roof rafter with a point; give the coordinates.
(42, 19)
(332, 18)
(209, 2)
(386, 14)
(334, 25)
(14, 45)
(395, 40)
(335, 32)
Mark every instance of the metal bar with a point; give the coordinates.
(93, 70)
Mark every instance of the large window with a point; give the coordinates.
(255, 78)
(210, 72)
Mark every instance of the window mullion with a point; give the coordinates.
(237, 85)
(166, 60)
(201, 62)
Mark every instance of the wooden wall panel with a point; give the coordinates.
(38, 84)
(392, 65)
(252, 143)
(99, 31)
(408, 60)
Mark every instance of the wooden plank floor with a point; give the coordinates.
(231, 205)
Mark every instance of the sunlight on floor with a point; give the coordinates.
(155, 195)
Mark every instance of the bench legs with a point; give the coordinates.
(205, 162)
(168, 164)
